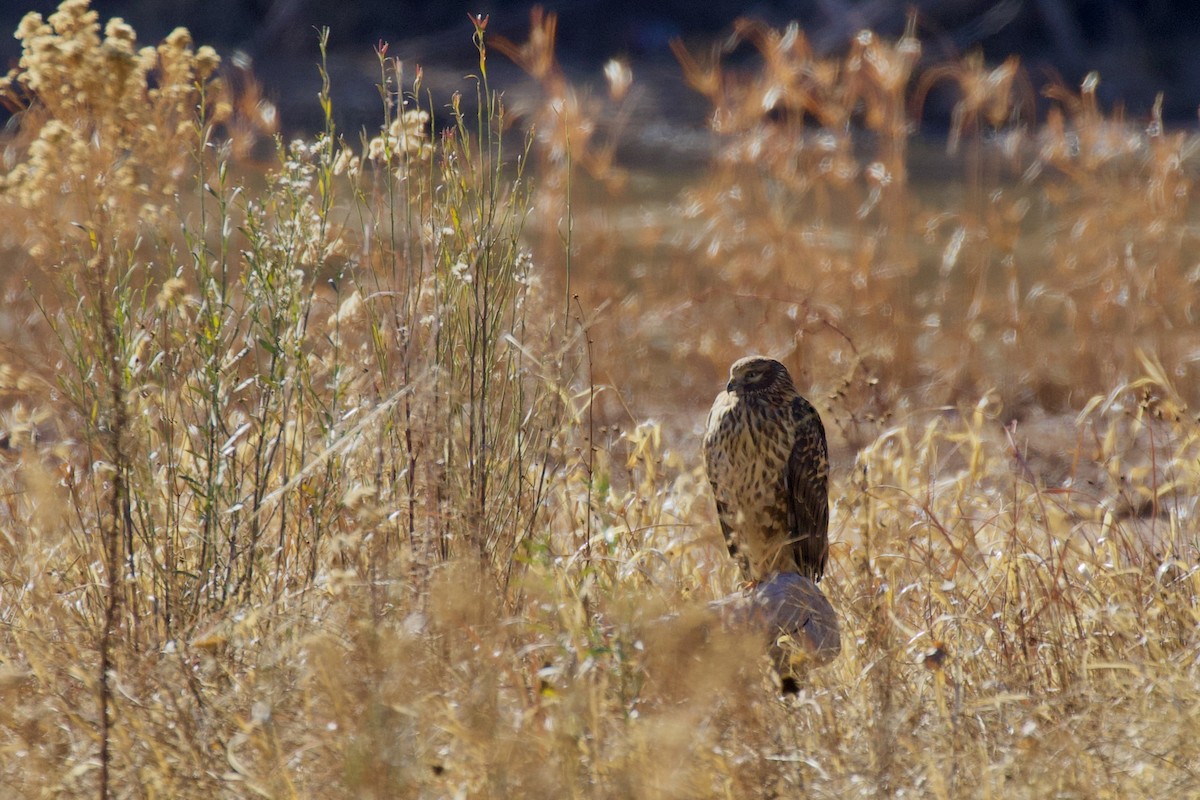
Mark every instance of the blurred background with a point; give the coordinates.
(812, 251)
(1139, 47)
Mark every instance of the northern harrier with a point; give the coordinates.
(767, 461)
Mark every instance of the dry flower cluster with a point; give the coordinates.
(102, 119)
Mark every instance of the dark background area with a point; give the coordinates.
(1139, 48)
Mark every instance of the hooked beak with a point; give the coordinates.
(729, 386)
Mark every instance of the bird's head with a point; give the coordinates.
(758, 375)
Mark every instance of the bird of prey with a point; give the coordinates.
(768, 463)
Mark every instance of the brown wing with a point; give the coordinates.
(807, 490)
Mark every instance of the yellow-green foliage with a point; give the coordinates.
(339, 474)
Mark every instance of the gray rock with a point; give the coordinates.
(786, 607)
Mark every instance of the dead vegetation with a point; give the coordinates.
(332, 484)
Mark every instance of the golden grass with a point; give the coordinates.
(352, 481)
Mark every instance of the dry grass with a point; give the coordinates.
(330, 484)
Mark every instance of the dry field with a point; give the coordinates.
(374, 473)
